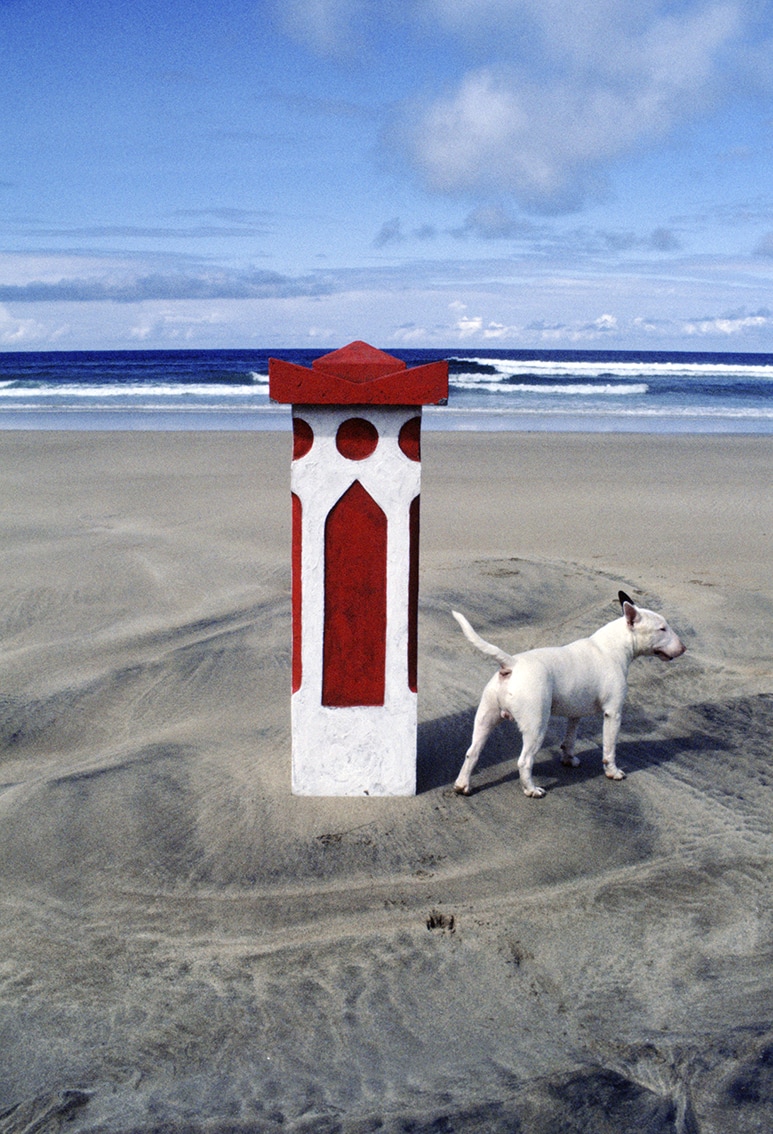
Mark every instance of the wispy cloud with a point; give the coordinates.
(765, 245)
(224, 213)
(307, 104)
(329, 27)
(392, 232)
(737, 214)
(731, 323)
(149, 232)
(494, 221)
(257, 285)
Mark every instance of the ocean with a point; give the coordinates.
(553, 390)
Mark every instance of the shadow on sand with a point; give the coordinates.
(443, 742)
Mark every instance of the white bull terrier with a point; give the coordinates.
(588, 676)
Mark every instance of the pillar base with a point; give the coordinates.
(348, 751)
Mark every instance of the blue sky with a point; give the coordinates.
(444, 173)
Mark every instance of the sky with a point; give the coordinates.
(415, 173)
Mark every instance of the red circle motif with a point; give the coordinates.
(409, 439)
(303, 438)
(356, 438)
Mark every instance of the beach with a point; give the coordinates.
(185, 946)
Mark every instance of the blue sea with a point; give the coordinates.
(545, 390)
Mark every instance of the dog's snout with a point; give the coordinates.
(677, 646)
(675, 650)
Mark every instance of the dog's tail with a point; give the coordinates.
(505, 660)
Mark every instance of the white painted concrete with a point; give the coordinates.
(359, 750)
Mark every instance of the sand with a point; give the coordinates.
(186, 947)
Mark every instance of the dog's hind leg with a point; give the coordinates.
(487, 716)
(531, 746)
(567, 744)
(533, 722)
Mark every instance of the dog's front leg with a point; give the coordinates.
(612, 719)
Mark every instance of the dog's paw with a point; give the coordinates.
(614, 774)
(534, 792)
(570, 761)
(462, 789)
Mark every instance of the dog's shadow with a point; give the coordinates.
(443, 742)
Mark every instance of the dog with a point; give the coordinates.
(586, 677)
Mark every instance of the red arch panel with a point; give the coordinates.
(354, 647)
(413, 594)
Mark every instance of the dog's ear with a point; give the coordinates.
(624, 598)
(630, 613)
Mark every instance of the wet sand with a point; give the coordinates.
(184, 946)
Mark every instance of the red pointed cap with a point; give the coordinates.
(358, 362)
(358, 374)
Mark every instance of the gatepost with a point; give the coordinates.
(355, 484)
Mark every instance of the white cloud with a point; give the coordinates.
(469, 325)
(541, 96)
(184, 322)
(497, 331)
(476, 326)
(604, 86)
(19, 334)
(734, 323)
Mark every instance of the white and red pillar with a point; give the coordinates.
(356, 476)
